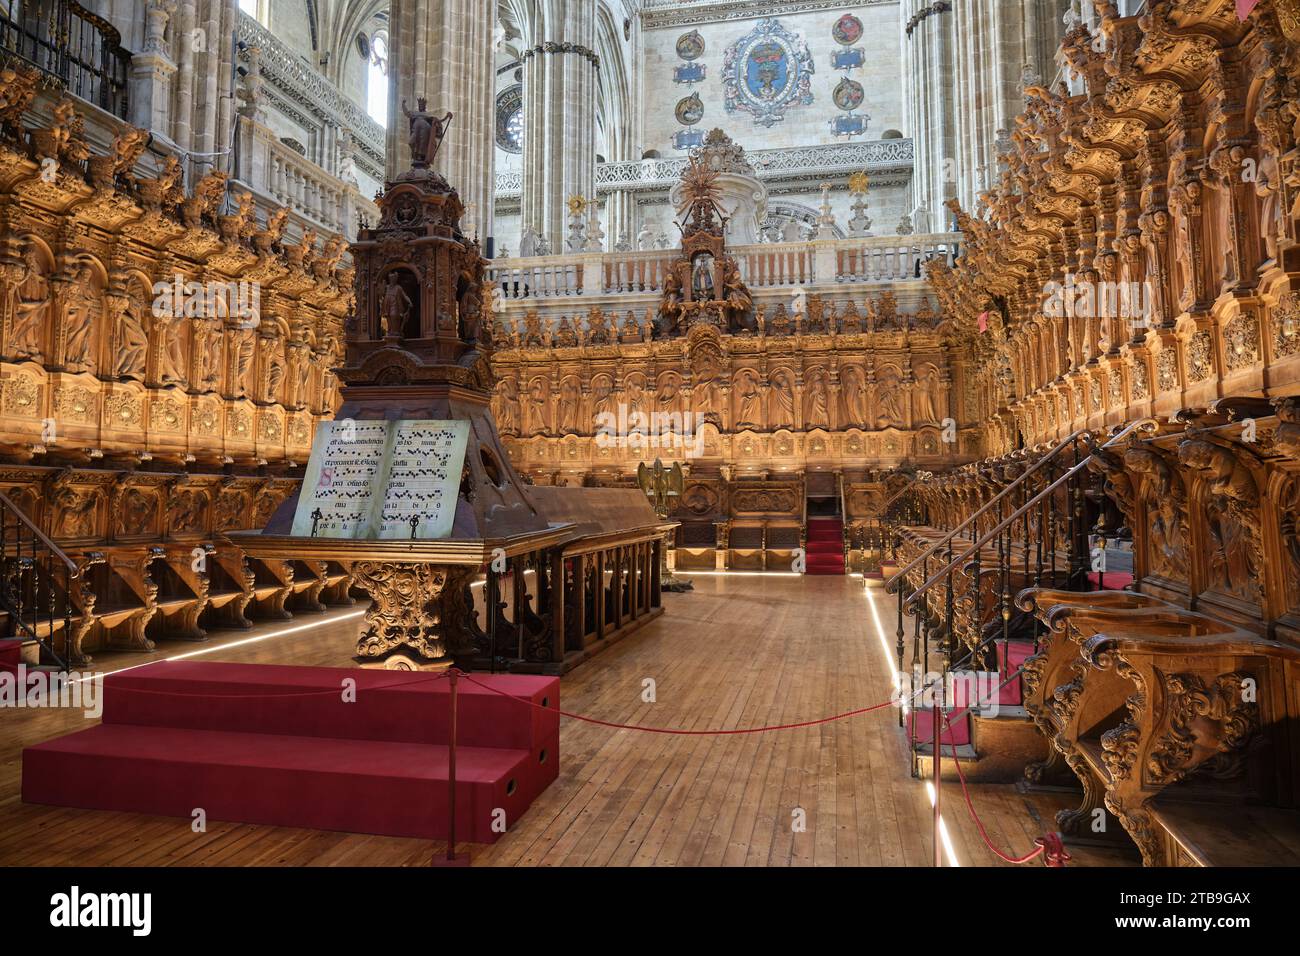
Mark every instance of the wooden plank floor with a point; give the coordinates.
(739, 651)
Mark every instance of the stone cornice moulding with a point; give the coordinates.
(660, 15)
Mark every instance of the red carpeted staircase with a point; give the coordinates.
(270, 744)
(825, 553)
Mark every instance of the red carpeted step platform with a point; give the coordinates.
(11, 653)
(920, 727)
(1112, 580)
(280, 745)
(825, 546)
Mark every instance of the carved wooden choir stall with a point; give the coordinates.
(1130, 540)
(164, 358)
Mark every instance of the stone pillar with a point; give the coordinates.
(152, 70)
(442, 50)
(927, 30)
(559, 119)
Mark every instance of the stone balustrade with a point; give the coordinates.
(778, 265)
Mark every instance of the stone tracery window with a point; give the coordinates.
(510, 119)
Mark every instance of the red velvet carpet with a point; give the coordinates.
(255, 743)
(825, 552)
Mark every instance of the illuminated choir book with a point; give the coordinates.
(382, 479)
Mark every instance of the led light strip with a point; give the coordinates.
(944, 838)
(283, 632)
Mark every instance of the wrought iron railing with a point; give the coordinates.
(79, 50)
(36, 587)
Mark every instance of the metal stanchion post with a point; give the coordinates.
(938, 744)
(452, 858)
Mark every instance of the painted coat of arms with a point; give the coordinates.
(766, 71)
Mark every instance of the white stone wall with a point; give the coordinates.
(881, 75)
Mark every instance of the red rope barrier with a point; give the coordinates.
(670, 730)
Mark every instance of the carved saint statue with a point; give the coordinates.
(927, 396)
(394, 308)
(505, 406)
(32, 308)
(634, 394)
(853, 392)
(739, 301)
(889, 405)
(171, 330)
(781, 413)
(749, 400)
(427, 132)
(602, 403)
(814, 403)
(82, 316)
(243, 344)
(132, 343)
(668, 395)
(570, 395)
(273, 347)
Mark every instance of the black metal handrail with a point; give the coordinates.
(78, 49)
(36, 581)
(1024, 509)
(929, 552)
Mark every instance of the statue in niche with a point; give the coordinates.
(602, 405)
(1224, 161)
(394, 309)
(634, 394)
(535, 420)
(505, 406)
(32, 308)
(749, 400)
(132, 342)
(274, 348)
(645, 238)
(82, 316)
(570, 396)
(781, 414)
(889, 405)
(171, 332)
(814, 405)
(927, 396)
(211, 353)
(702, 284)
(668, 395)
(427, 132)
(704, 390)
(304, 394)
(853, 390)
(243, 345)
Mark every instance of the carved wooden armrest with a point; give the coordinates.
(1041, 599)
(1197, 706)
